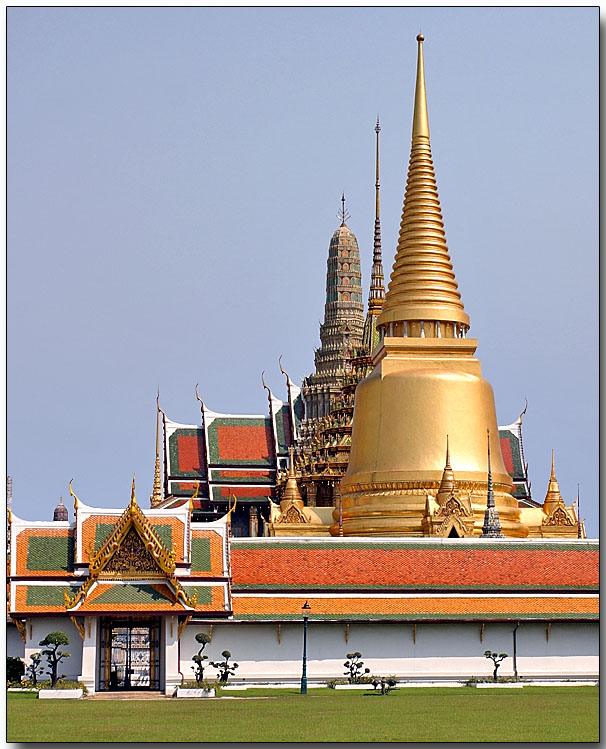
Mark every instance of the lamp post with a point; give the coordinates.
(306, 609)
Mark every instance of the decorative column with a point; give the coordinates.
(253, 521)
(89, 653)
(311, 494)
(172, 678)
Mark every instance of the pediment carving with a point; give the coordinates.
(558, 517)
(131, 559)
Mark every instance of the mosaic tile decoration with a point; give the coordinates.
(243, 476)
(253, 493)
(44, 552)
(206, 553)
(512, 457)
(283, 429)
(188, 489)
(187, 453)
(96, 528)
(241, 442)
(41, 598)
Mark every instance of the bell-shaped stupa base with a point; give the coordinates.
(420, 392)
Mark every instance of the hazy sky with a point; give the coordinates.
(173, 182)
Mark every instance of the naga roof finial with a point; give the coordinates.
(265, 386)
(288, 380)
(200, 399)
(73, 494)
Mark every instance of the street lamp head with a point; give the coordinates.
(306, 609)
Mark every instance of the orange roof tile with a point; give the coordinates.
(409, 565)
(417, 608)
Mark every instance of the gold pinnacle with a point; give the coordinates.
(422, 285)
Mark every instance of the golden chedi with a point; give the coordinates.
(291, 517)
(426, 383)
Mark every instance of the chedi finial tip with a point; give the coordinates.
(420, 38)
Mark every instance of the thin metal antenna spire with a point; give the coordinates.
(343, 214)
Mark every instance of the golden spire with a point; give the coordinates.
(377, 288)
(133, 500)
(420, 122)
(156, 495)
(553, 496)
(422, 290)
(291, 490)
(448, 485)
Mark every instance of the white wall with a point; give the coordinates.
(449, 650)
(71, 666)
(14, 644)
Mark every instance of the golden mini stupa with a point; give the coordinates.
(426, 385)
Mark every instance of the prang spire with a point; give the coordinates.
(376, 294)
(156, 496)
(423, 299)
(492, 523)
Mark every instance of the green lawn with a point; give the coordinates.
(567, 714)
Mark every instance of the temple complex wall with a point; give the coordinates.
(40, 627)
(433, 650)
(450, 650)
(14, 644)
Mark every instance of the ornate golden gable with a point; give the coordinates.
(133, 550)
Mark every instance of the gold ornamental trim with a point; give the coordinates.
(78, 622)
(421, 487)
(79, 595)
(21, 629)
(182, 624)
(132, 521)
(133, 517)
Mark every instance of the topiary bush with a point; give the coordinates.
(35, 668)
(353, 668)
(15, 669)
(496, 658)
(203, 639)
(225, 668)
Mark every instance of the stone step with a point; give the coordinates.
(130, 695)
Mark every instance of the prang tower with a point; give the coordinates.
(341, 331)
(426, 386)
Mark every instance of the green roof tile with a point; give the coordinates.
(50, 553)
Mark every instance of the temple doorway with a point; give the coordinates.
(130, 654)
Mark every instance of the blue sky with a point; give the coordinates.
(174, 176)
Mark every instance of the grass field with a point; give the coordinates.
(529, 714)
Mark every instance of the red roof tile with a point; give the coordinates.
(410, 566)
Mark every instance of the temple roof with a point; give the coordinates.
(416, 608)
(408, 565)
(119, 596)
